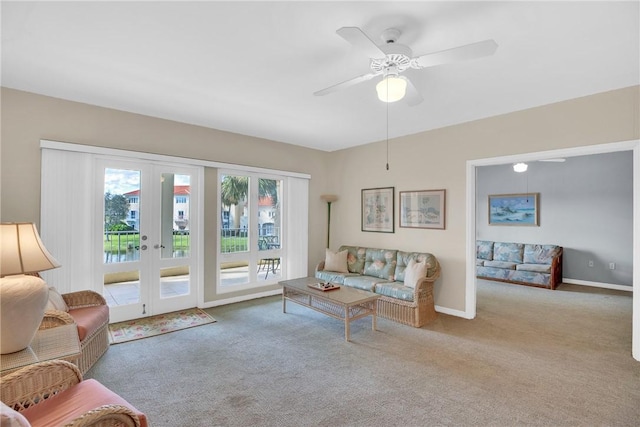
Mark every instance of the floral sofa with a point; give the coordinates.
(383, 271)
(520, 263)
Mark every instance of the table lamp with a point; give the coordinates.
(23, 295)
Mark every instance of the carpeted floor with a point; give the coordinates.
(532, 357)
(157, 325)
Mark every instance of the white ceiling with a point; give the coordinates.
(252, 67)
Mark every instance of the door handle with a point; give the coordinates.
(157, 246)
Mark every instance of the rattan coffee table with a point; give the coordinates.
(347, 304)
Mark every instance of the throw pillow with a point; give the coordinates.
(56, 302)
(336, 261)
(414, 272)
(9, 417)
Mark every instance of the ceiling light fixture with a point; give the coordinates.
(392, 88)
(520, 167)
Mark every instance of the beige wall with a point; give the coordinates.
(429, 160)
(437, 159)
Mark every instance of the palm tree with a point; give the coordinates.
(236, 188)
(234, 193)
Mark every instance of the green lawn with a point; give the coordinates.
(120, 243)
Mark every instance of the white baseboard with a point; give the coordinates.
(598, 285)
(226, 301)
(452, 312)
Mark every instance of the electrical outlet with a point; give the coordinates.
(612, 266)
(590, 263)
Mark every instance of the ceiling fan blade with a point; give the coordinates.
(346, 84)
(412, 96)
(456, 54)
(360, 40)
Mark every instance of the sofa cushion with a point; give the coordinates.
(89, 319)
(512, 252)
(336, 261)
(355, 258)
(540, 254)
(380, 263)
(56, 302)
(540, 268)
(501, 264)
(73, 402)
(403, 259)
(484, 249)
(367, 283)
(414, 272)
(395, 290)
(332, 276)
(9, 417)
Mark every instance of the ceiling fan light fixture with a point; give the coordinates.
(520, 167)
(391, 89)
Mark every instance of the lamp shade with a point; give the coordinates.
(329, 197)
(22, 251)
(391, 89)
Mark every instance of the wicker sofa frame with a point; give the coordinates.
(96, 343)
(416, 313)
(36, 383)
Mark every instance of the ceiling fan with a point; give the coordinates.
(391, 59)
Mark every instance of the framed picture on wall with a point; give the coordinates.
(514, 209)
(422, 209)
(377, 209)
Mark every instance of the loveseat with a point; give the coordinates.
(90, 312)
(404, 280)
(520, 263)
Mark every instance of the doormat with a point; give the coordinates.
(157, 325)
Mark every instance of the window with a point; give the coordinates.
(132, 214)
(181, 199)
(134, 199)
(251, 232)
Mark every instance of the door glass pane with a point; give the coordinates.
(121, 215)
(122, 288)
(234, 235)
(234, 273)
(269, 217)
(269, 269)
(174, 281)
(174, 216)
(269, 229)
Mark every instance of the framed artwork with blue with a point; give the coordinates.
(514, 209)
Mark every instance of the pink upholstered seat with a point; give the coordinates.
(89, 319)
(75, 401)
(53, 393)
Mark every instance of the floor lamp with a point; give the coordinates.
(329, 198)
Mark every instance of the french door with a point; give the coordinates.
(146, 237)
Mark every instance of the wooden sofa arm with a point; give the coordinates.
(107, 416)
(34, 383)
(83, 299)
(55, 318)
(556, 270)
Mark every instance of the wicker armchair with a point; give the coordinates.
(90, 312)
(76, 402)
